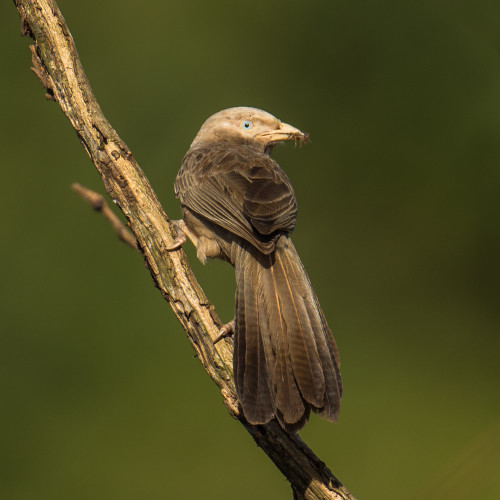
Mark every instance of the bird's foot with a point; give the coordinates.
(181, 238)
(227, 330)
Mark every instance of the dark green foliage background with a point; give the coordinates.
(398, 226)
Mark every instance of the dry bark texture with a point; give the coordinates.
(57, 66)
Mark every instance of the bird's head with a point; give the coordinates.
(247, 126)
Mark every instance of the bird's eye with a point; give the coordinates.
(246, 125)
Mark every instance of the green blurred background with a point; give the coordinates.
(398, 227)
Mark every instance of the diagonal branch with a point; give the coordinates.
(56, 64)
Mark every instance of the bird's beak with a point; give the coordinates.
(285, 132)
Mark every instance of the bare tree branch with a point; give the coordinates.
(56, 64)
(99, 204)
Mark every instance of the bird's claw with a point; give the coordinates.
(227, 330)
(180, 239)
(178, 242)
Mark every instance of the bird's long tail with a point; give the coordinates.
(285, 359)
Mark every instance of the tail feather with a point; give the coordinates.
(302, 343)
(250, 363)
(328, 353)
(285, 359)
(330, 359)
(288, 398)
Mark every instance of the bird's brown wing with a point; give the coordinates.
(240, 189)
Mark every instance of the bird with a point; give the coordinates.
(239, 205)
